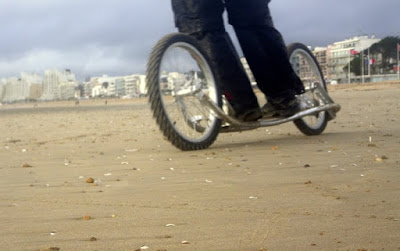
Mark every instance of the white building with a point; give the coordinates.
(87, 89)
(120, 87)
(67, 90)
(1, 90)
(128, 86)
(135, 85)
(103, 86)
(132, 85)
(52, 81)
(9, 88)
(14, 90)
(142, 84)
(32, 88)
(321, 54)
(339, 55)
(19, 89)
(175, 80)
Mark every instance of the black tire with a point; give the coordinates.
(199, 128)
(307, 68)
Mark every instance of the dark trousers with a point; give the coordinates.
(262, 45)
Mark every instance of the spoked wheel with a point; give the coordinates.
(177, 70)
(307, 68)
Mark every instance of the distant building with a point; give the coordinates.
(132, 85)
(35, 91)
(2, 83)
(120, 87)
(339, 56)
(97, 91)
(33, 84)
(67, 90)
(27, 87)
(14, 90)
(87, 90)
(175, 80)
(103, 86)
(321, 54)
(142, 84)
(52, 81)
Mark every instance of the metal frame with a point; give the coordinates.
(233, 125)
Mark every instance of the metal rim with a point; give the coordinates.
(314, 122)
(193, 133)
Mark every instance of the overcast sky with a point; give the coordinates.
(114, 37)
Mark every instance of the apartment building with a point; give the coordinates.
(321, 54)
(132, 84)
(25, 87)
(12, 89)
(87, 89)
(67, 90)
(52, 81)
(1, 90)
(340, 54)
(120, 87)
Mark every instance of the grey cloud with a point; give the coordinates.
(114, 37)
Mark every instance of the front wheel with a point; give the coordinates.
(177, 70)
(307, 68)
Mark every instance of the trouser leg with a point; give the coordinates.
(267, 56)
(203, 20)
(264, 48)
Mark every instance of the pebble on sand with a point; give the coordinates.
(26, 165)
(86, 217)
(89, 180)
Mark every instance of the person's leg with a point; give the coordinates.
(203, 20)
(264, 48)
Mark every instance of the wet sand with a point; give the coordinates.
(266, 189)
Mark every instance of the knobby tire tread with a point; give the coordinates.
(300, 124)
(156, 105)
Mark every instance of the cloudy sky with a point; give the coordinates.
(114, 37)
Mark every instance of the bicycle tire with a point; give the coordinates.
(200, 127)
(308, 69)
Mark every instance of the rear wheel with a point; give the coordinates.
(176, 71)
(307, 68)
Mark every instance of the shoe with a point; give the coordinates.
(269, 111)
(284, 107)
(249, 115)
(245, 113)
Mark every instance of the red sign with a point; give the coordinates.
(353, 52)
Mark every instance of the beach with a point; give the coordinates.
(100, 176)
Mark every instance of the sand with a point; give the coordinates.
(267, 189)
